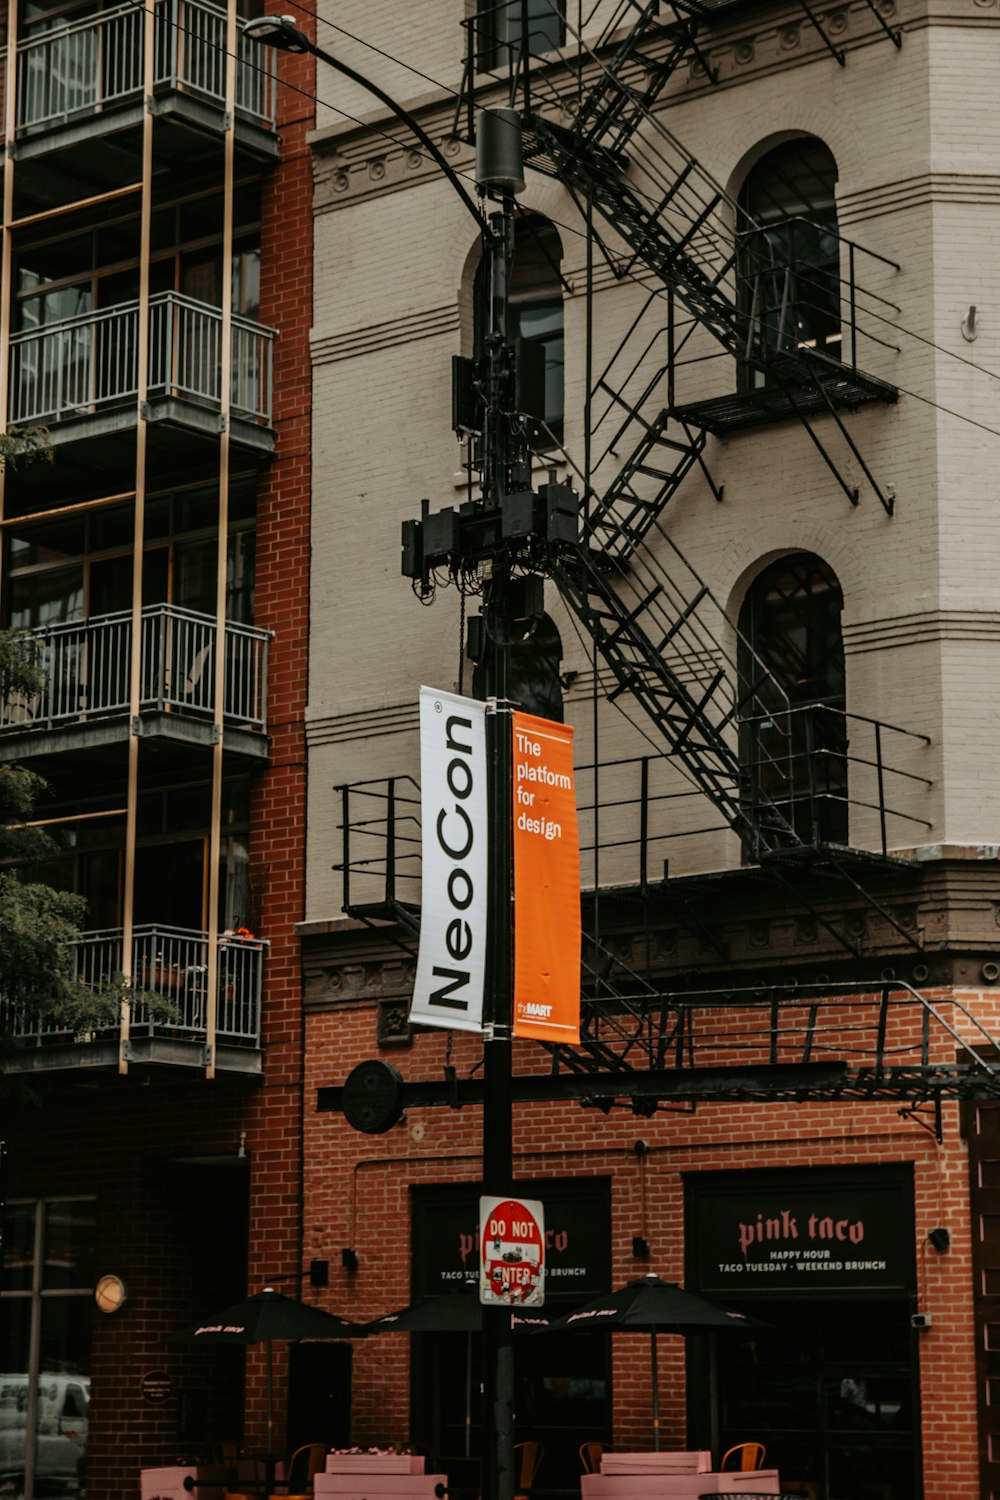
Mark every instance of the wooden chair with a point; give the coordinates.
(748, 1455)
(590, 1456)
(528, 1457)
(228, 1455)
(303, 1466)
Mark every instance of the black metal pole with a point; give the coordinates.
(498, 1159)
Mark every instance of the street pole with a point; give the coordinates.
(498, 1157)
(499, 175)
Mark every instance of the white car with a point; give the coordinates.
(63, 1406)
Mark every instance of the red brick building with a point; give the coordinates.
(158, 232)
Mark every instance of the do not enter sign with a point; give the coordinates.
(512, 1252)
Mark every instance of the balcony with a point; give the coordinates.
(85, 79)
(85, 701)
(172, 964)
(80, 376)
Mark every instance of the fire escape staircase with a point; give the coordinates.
(646, 614)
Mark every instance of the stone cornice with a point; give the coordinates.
(743, 930)
(363, 723)
(978, 188)
(423, 323)
(355, 159)
(935, 626)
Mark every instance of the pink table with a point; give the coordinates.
(671, 1476)
(378, 1476)
(202, 1481)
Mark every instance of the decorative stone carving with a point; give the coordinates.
(759, 934)
(393, 1024)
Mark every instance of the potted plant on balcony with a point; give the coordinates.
(159, 976)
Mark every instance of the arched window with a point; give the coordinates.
(793, 739)
(534, 324)
(789, 266)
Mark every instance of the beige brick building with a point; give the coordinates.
(770, 354)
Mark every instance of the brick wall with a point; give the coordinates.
(121, 1138)
(277, 841)
(357, 1194)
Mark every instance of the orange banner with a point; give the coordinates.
(546, 882)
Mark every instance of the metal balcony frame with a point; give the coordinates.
(86, 665)
(170, 964)
(105, 54)
(87, 364)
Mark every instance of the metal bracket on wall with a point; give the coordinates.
(916, 1113)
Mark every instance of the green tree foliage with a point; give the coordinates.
(37, 924)
(25, 445)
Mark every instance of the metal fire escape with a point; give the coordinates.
(670, 230)
(700, 270)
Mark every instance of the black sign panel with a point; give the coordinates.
(577, 1236)
(803, 1234)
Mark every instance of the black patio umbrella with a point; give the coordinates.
(452, 1312)
(652, 1306)
(261, 1319)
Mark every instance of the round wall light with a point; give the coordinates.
(110, 1294)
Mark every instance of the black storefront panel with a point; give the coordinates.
(562, 1381)
(825, 1258)
(577, 1236)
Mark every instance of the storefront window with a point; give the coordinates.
(824, 1260)
(45, 1322)
(828, 1389)
(562, 1395)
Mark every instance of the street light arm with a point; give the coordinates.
(267, 29)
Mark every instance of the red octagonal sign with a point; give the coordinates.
(512, 1252)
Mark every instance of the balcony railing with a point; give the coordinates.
(92, 65)
(172, 964)
(89, 363)
(86, 667)
(797, 286)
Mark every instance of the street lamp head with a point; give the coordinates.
(276, 31)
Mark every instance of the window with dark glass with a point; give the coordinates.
(793, 737)
(171, 863)
(503, 26)
(788, 252)
(534, 324)
(830, 1388)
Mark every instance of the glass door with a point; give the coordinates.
(45, 1323)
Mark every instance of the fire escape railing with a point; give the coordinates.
(886, 1038)
(92, 65)
(85, 364)
(171, 964)
(633, 809)
(85, 665)
(779, 288)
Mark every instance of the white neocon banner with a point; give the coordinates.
(451, 963)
